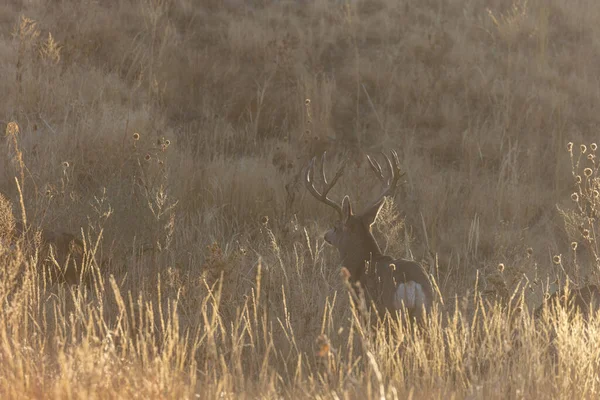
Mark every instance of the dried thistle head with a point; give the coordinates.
(136, 136)
(586, 233)
(557, 259)
(575, 197)
(583, 148)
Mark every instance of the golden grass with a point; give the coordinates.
(169, 138)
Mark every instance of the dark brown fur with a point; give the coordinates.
(584, 300)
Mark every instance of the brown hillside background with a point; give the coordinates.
(156, 239)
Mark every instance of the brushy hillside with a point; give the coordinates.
(158, 145)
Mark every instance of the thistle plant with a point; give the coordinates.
(582, 220)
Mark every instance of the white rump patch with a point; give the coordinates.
(410, 295)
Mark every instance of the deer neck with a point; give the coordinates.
(355, 258)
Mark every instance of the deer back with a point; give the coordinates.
(397, 285)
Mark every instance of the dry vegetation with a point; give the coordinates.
(155, 241)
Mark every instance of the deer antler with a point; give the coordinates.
(395, 173)
(310, 184)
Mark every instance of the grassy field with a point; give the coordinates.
(169, 137)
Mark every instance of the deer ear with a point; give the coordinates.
(346, 209)
(370, 215)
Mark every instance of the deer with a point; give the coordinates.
(61, 252)
(398, 286)
(585, 300)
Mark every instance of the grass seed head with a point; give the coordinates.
(12, 129)
(323, 346)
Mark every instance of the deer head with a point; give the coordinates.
(352, 234)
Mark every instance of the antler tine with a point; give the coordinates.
(310, 184)
(376, 168)
(394, 165)
(323, 175)
(395, 173)
(338, 174)
(396, 158)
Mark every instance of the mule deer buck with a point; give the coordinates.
(394, 285)
(585, 300)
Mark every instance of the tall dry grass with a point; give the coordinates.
(169, 137)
